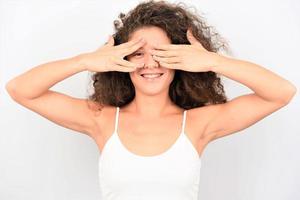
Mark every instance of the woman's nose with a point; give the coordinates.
(150, 61)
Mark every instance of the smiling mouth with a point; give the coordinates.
(152, 76)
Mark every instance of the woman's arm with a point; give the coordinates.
(271, 92)
(265, 83)
(31, 90)
(39, 79)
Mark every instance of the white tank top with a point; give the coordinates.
(171, 175)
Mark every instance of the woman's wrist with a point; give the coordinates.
(219, 60)
(80, 62)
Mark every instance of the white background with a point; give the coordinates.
(41, 160)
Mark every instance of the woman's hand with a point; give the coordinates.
(193, 57)
(110, 58)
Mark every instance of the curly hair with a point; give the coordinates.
(187, 89)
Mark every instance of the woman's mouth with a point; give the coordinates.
(152, 76)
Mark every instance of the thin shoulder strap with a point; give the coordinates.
(183, 121)
(116, 119)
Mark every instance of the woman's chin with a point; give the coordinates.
(151, 92)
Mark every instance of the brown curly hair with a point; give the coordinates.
(188, 89)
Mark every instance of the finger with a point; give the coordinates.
(126, 63)
(129, 43)
(133, 48)
(164, 53)
(168, 59)
(110, 41)
(171, 65)
(121, 68)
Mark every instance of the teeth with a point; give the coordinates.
(151, 75)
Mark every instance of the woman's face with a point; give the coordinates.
(152, 35)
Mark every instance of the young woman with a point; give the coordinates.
(158, 100)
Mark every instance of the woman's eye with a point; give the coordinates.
(137, 54)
